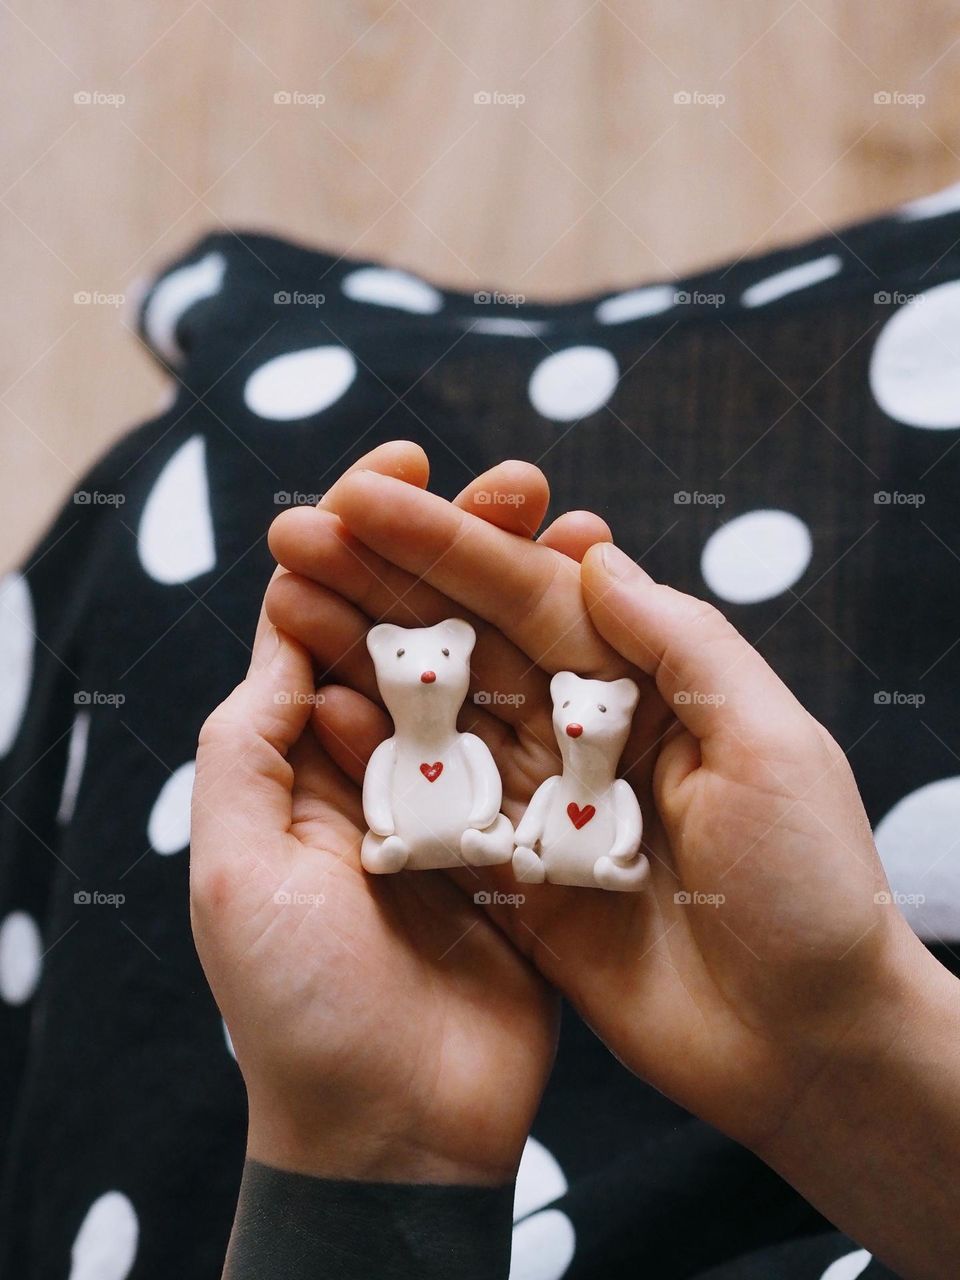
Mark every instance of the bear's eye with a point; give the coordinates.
(401, 652)
(565, 705)
(445, 652)
(601, 707)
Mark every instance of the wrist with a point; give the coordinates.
(876, 1128)
(358, 1147)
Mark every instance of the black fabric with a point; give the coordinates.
(302, 1228)
(122, 1107)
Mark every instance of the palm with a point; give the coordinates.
(396, 994)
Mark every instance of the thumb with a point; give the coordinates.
(716, 683)
(243, 785)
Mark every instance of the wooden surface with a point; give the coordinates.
(597, 178)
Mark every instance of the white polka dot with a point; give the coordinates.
(174, 296)
(73, 774)
(20, 957)
(175, 538)
(574, 383)
(919, 844)
(16, 655)
(636, 304)
(756, 556)
(849, 1266)
(915, 366)
(300, 383)
(228, 1041)
(506, 326)
(543, 1246)
(389, 288)
(540, 1180)
(169, 825)
(932, 206)
(791, 280)
(106, 1244)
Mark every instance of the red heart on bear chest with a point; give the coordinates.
(432, 771)
(580, 817)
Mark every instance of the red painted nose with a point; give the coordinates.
(428, 677)
(574, 730)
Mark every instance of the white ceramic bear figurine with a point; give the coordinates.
(431, 795)
(584, 827)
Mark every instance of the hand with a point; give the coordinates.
(730, 1007)
(386, 1029)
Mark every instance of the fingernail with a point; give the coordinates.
(618, 564)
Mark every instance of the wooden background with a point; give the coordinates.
(597, 178)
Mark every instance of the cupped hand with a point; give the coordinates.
(767, 939)
(386, 1029)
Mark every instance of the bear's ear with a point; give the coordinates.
(461, 635)
(626, 693)
(381, 638)
(561, 685)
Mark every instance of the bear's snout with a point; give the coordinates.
(574, 730)
(428, 677)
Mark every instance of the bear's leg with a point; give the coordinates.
(490, 847)
(382, 856)
(527, 867)
(612, 875)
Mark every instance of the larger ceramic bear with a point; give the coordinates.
(431, 795)
(584, 826)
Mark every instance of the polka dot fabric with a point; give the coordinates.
(778, 436)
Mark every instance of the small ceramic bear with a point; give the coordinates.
(584, 826)
(431, 795)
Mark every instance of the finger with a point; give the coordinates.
(512, 495)
(401, 459)
(243, 781)
(574, 533)
(349, 727)
(523, 588)
(504, 685)
(707, 674)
